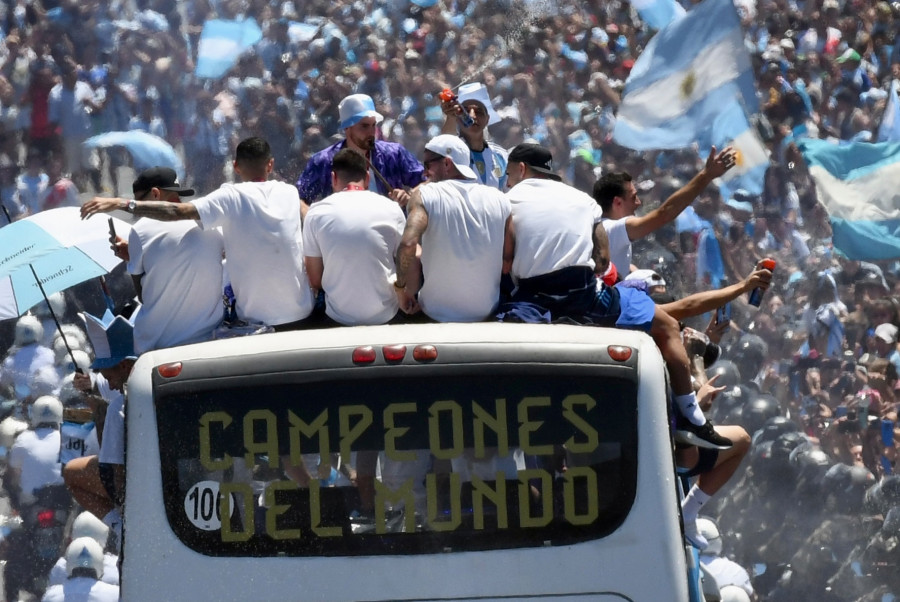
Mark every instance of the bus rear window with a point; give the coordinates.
(410, 465)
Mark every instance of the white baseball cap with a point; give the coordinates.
(649, 277)
(357, 107)
(478, 92)
(452, 147)
(887, 332)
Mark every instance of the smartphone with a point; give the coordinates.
(840, 411)
(112, 231)
(723, 314)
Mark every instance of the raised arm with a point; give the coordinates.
(716, 165)
(159, 210)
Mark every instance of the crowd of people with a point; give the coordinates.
(810, 375)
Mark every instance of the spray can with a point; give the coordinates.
(447, 95)
(756, 294)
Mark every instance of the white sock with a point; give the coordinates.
(690, 409)
(693, 502)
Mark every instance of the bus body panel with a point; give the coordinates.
(641, 560)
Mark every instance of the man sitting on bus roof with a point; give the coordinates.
(553, 229)
(349, 241)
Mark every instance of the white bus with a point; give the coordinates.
(492, 462)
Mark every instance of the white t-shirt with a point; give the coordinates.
(20, 366)
(36, 455)
(182, 282)
(554, 227)
(356, 234)
(619, 244)
(261, 226)
(112, 451)
(58, 575)
(83, 589)
(462, 250)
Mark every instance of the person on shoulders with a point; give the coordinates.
(392, 168)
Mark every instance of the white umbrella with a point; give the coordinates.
(50, 252)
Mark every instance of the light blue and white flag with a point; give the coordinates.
(857, 184)
(889, 130)
(658, 13)
(732, 128)
(688, 73)
(222, 43)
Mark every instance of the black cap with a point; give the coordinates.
(163, 178)
(536, 157)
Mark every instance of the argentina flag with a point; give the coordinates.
(222, 43)
(732, 128)
(857, 185)
(658, 13)
(688, 73)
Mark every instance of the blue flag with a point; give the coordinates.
(222, 43)
(857, 185)
(658, 13)
(689, 73)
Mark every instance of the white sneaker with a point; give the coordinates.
(693, 535)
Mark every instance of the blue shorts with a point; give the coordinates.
(572, 293)
(636, 308)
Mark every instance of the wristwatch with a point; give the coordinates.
(132, 205)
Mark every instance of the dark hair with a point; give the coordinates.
(253, 153)
(349, 165)
(609, 186)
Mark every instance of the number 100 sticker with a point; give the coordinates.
(202, 505)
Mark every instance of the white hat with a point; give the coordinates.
(478, 92)
(452, 147)
(887, 332)
(734, 593)
(88, 525)
(649, 277)
(46, 410)
(84, 553)
(710, 531)
(357, 107)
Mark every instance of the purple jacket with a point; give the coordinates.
(395, 163)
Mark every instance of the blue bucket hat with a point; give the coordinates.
(357, 107)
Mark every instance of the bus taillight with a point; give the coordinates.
(394, 353)
(169, 370)
(619, 353)
(364, 355)
(425, 353)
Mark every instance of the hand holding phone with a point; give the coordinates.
(723, 314)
